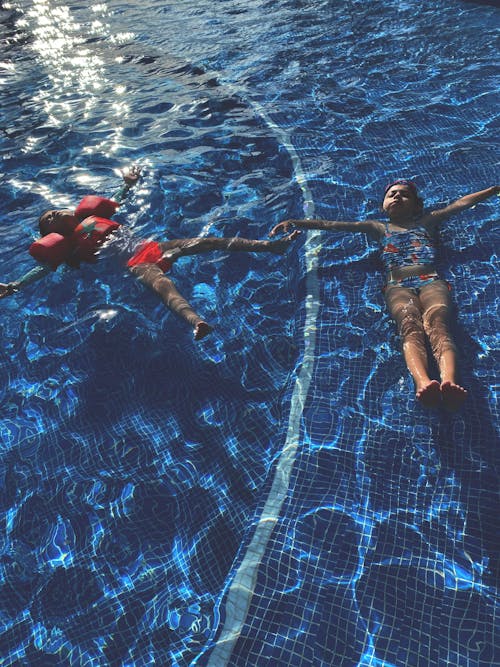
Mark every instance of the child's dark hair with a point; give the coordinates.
(44, 224)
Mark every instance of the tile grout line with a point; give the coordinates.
(242, 587)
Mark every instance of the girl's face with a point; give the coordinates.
(400, 202)
(54, 221)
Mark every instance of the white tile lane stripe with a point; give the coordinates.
(242, 587)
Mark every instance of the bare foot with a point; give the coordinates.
(201, 330)
(430, 395)
(280, 246)
(453, 395)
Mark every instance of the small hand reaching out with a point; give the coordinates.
(283, 228)
(6, 289)
(131, 174)
(281, 245)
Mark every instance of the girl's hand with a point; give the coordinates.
(6, 289)
(131, 174)
(282, 227)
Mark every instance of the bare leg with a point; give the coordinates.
(177, 247)
(437, 307)
(405, 308)
(152, 276)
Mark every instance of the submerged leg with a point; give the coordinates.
(437, 308)
(404, 306)
(154, 278)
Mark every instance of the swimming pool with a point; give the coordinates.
(272, 495)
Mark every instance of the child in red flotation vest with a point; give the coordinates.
(75, 237)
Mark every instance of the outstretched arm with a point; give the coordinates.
(370, 227)
(130, 177)
(463, 203)
(6, 289)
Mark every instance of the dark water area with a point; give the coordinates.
(271, 495)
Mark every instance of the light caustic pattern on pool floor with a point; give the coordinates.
(135, 464)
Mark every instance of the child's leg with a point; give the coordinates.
(237, 244)
(404, 306)
(152, 276)
(437, 308)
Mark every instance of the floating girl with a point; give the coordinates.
(417, 298)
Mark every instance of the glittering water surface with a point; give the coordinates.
(137, 467)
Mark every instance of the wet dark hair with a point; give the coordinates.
(413, 189)
(43, 224)
(403, 181)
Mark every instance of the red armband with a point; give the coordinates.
(52, 249)
(93, 205)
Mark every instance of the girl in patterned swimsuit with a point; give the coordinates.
(417, 299)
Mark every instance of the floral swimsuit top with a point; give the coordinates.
(398, 249)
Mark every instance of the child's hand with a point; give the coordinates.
(282, 228)
(6, 289)
(131, 174)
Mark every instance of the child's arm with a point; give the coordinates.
(371, 227)
(130, 177)
(6, 289)
(463, 203)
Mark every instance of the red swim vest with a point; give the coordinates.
(72, 244)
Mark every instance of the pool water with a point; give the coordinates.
(272, 495)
